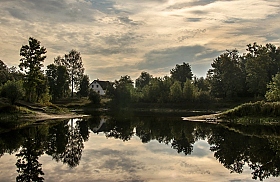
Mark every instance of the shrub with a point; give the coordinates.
(94, 97)
(12, 90)
(259, 108)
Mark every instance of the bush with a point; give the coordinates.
(94, 97)
(12, 90)
(260, 108)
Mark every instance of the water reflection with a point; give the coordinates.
(29, 168)
(234, 146)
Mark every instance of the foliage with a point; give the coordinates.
(151, 92)
(3, 73)
(143, 80)
(94, 97)
(13, 90)
(273, 94)
(176, 93)
(259, 108)
(84, 86)
(35, 83)
(74, 65)
(201, 84)
(262, 63)
(181, 72)
(121, 91)
(189, 91)
(227, 78)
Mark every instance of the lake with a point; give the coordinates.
(140, 147)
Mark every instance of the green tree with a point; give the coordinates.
(4, 74)
(63, 82)
(94, 97)
(181, 72)
(15, 74)
(201, 83)
(13, 90)
(273, 93)
(58, 81)
(189, 91)
(74, 65)
(226, 78)
(121, 91)
(258, 68)
(84, 86)
(176, 93)
(31, 63)
(143, 80)
(51, 74)
(151, 92)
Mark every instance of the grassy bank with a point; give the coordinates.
(25, 113)
(258, 112)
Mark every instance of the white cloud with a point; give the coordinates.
(120, 34)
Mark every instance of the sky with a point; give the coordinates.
(125, 37)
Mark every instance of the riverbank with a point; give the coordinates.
(24, 113)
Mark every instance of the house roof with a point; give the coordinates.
(103, 84)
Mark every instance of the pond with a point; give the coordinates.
(129, 147)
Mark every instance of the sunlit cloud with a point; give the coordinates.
(130, 35)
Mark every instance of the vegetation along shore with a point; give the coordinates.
(237, 85)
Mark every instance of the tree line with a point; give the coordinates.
(59, 80)
(232, 75)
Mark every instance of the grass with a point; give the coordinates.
(256, 112)
(72, 102)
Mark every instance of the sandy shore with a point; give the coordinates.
(204, 118)
(40, 116)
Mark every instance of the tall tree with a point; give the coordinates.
(226, 77)
(121, 91)
(32, 62)
(3, 73)
(176, 93)
(273, 94)
(84, 86)
(181, 72)
(258, 68)
(73, 63)
(189, 90)
(58, 80)
(143, 80)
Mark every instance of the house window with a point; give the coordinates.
(96, 86)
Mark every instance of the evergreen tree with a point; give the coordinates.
(33, 57)
(181, 72)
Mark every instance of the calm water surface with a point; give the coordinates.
(126, 147)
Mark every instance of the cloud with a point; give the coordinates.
(169, 57)
(123, 37)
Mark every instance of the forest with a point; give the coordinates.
(252, 75)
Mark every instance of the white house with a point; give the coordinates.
(99, 86)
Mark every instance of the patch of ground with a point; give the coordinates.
(204, 118)
(40, 116)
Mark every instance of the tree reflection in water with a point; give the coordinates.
(234, 146)
(234, 150)
(29, 168)
(66, 145)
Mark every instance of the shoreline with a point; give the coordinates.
(208, 118)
